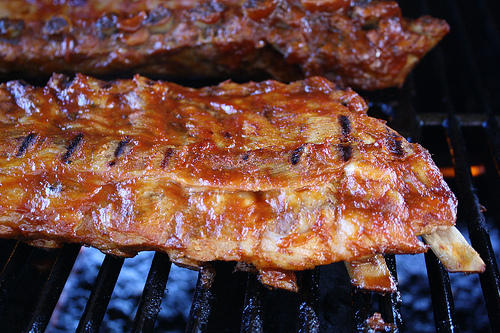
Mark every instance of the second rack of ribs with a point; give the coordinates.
(360, 44)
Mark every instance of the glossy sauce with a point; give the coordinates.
(254, 172)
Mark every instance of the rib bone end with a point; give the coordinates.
(452, 249)
(371, 274)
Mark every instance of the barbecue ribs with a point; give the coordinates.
(361, 44)
(279, 176)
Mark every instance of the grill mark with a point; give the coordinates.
(119, 150)
(121, 147)
(157, 15)
(25, 144)
(72, 147)
(167, 155)
(296, 154)
(394, 142)
(345, 124)
(56, 25)
(345, 145)
(346, 151)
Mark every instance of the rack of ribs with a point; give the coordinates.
(280, 177)
(361, 44)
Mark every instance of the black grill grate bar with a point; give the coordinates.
(466, 190)
(468, 199)
(480, 239)
(7, 246)
(53, 288)
(470, 64)
(252, 318)
(361, 308)
(100, 295)
(441, 295)
(309, 304)
(408, 123)
(150, 303)
(202, 304)
(405, 120)
(12, 270)
(390, 303)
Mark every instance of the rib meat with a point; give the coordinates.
(279, 176)
(361, 44)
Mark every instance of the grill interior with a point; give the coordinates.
(449, 104)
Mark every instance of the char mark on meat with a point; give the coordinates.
(346, 151)
(55, 26)
(25, 144)
(296, 154)
(119, 150)
(72, 146)
(169, 152)
(345, 125)
(395, 144)
(10, 29)
(345, 139)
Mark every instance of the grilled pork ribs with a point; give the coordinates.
(282, 177)
(361, 44)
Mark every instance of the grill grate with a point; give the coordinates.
(450, 104)
(53, 288)
(156, 282)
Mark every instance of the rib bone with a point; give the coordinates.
(371, 274)
(456, 255)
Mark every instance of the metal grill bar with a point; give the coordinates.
(252, 321)
(467, 191)
(7, 246)
(480, 239)
(209, 312)
(390, 304)
(490, 26)
(442, 297)
(202, 303)
(219, 300)
(470, 63)
(309, 307)
(229, 290)
(53, 288)
(100, 295)
(149, 306)
(12, 270)
(361, 309)
(492, 127)
(440, 287)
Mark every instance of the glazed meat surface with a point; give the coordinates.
(361, 44)
(279, 176)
